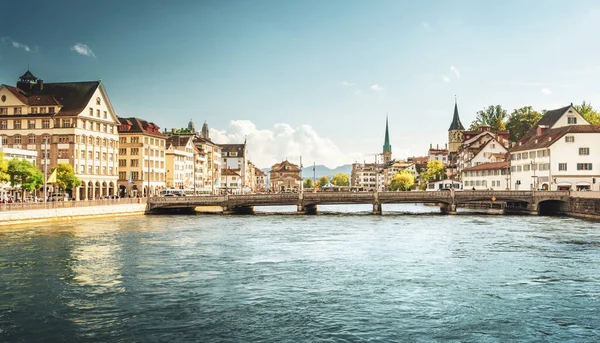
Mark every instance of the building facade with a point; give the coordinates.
(486, 176)
(179, 163)
(66, 122)
(285, 176)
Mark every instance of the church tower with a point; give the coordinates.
(455, 132)
(387, 148)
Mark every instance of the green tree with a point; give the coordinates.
(25, 174)
(520, 121)
(323, 180)
(588, 112)
(308, 183)
(4, 177)
(340, 179)
(493, 116)
(436, 170)
(65, 176)
(402, 181)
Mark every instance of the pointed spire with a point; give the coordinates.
(386, 144)
(456, 124)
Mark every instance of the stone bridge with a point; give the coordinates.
(514, 201)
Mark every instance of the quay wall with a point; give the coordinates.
(585, 206)
(70, 213)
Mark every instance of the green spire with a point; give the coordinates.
(386, 145)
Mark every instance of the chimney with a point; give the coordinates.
(40, 84)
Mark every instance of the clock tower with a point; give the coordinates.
(455, 132)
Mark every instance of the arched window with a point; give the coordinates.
(97, 141)
(17, 139)
(91, 140)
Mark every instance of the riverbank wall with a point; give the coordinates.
(584, 205)
(70, 213)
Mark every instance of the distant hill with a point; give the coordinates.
(320, 170)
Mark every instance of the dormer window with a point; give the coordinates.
(98, 101)
(572, 120)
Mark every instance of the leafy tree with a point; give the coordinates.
(520, 121)
(436, 170)
(493, 116)
(308, 183)
(340, 179)
(24, 173)
(4, 177)
(402, 181)
(65, 176)
(323, 180)
(588, 112)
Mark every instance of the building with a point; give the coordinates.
(492, 175)
(483, 146)
(179, 163)
(231, 181)
(285, 176)
(141, 158)
(235, 156)
(9, 154)
(387, 147)
(260, 180)
(437, 153)
(560, 152)
(64, 122)
(368, 176)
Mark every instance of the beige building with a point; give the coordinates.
(141, 158)
(260, 180)
(179, 159)
(285, 176)
(66, 122)
(231, 181)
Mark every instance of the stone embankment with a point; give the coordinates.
(584, 205)
(12, 214)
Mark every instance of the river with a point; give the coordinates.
(405, 276)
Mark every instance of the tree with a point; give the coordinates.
(520, 121)
(25, 174)
(308, 183)
(436, 170)
(4, 177)
(65, 176)
(586, 110)
(323, 180)
(340, 179)
(402, 181)
(493, 116)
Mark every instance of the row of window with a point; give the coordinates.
(105, 116)
(32, 110)
(94, 170)
(531, 154)
(136, 176)
(486, 172)
(546, 166)
(231, 153)
(135, 139)
(19, 124)
(481, 183)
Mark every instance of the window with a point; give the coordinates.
(135, 151)
(91, 112)
(31, 139)
(122, 163)
(50, 109)
(4, 140)
(45, 123)
(571, 120)
(90, 155)
(532, 154)
(98, 141)
(97, 155)
(135, 139)
(17, 139)
(526, 167)
(122, 139)
(134, 175)
(42, 109)
(3, 124)
(584, 166)
(104, 128)
(584, 151)
(122, 175)
(97, 170)
(569, 139)
(17, 124)
(34, 110)
(82, 169)
(82, 154)
(3, 110)
(135, 163)
(524, 155)
(17, 110)
(122, 151)
(104, 157)
(63, 139)
(98, 113)
(90, 140)
(98, 101)
(89, 169)
(562, 167)
(66, 123)
(105, 115)
(63, 153)
(98, 127)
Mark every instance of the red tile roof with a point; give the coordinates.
(550, 136)
(489, 166)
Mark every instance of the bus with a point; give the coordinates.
(173, 192)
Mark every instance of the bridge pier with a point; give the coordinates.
(238, 210)
(448, 208)
(307, 209)
(377, 209)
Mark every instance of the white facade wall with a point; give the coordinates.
(496, 179)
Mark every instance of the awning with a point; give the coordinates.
(583, 183)
(563, 183)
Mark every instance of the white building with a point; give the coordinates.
(487, 176)
(179, 158)
(368, 176)
(562, 151)
(235, 156)
(482, 147)
(231, 181)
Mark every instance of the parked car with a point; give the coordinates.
(58, 197)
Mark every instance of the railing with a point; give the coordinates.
(28, 206)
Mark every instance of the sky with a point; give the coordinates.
(312, 78)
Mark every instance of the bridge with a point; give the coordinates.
(515, 201)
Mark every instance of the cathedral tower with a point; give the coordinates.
(455, 132)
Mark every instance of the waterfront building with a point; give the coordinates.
(179, 161)
(285, 176)
(483, 146)
(491, 175)
(200, 166)
(231, 181)
(235, 156)
(368, 176)
(260, 180)
(560, 152)
(64, 122)
(141, 158)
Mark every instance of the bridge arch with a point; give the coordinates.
(552, 207)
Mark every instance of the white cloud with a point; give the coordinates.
(269, 146)
(83, 49)
(453, 68)
(21, 46)
(546, 91)
(377, 88)
(445, 78)
(348, 84)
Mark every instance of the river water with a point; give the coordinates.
(406, 276)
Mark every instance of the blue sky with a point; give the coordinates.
(312, 78)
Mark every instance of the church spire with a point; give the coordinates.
(386, 144)
(456, 124)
